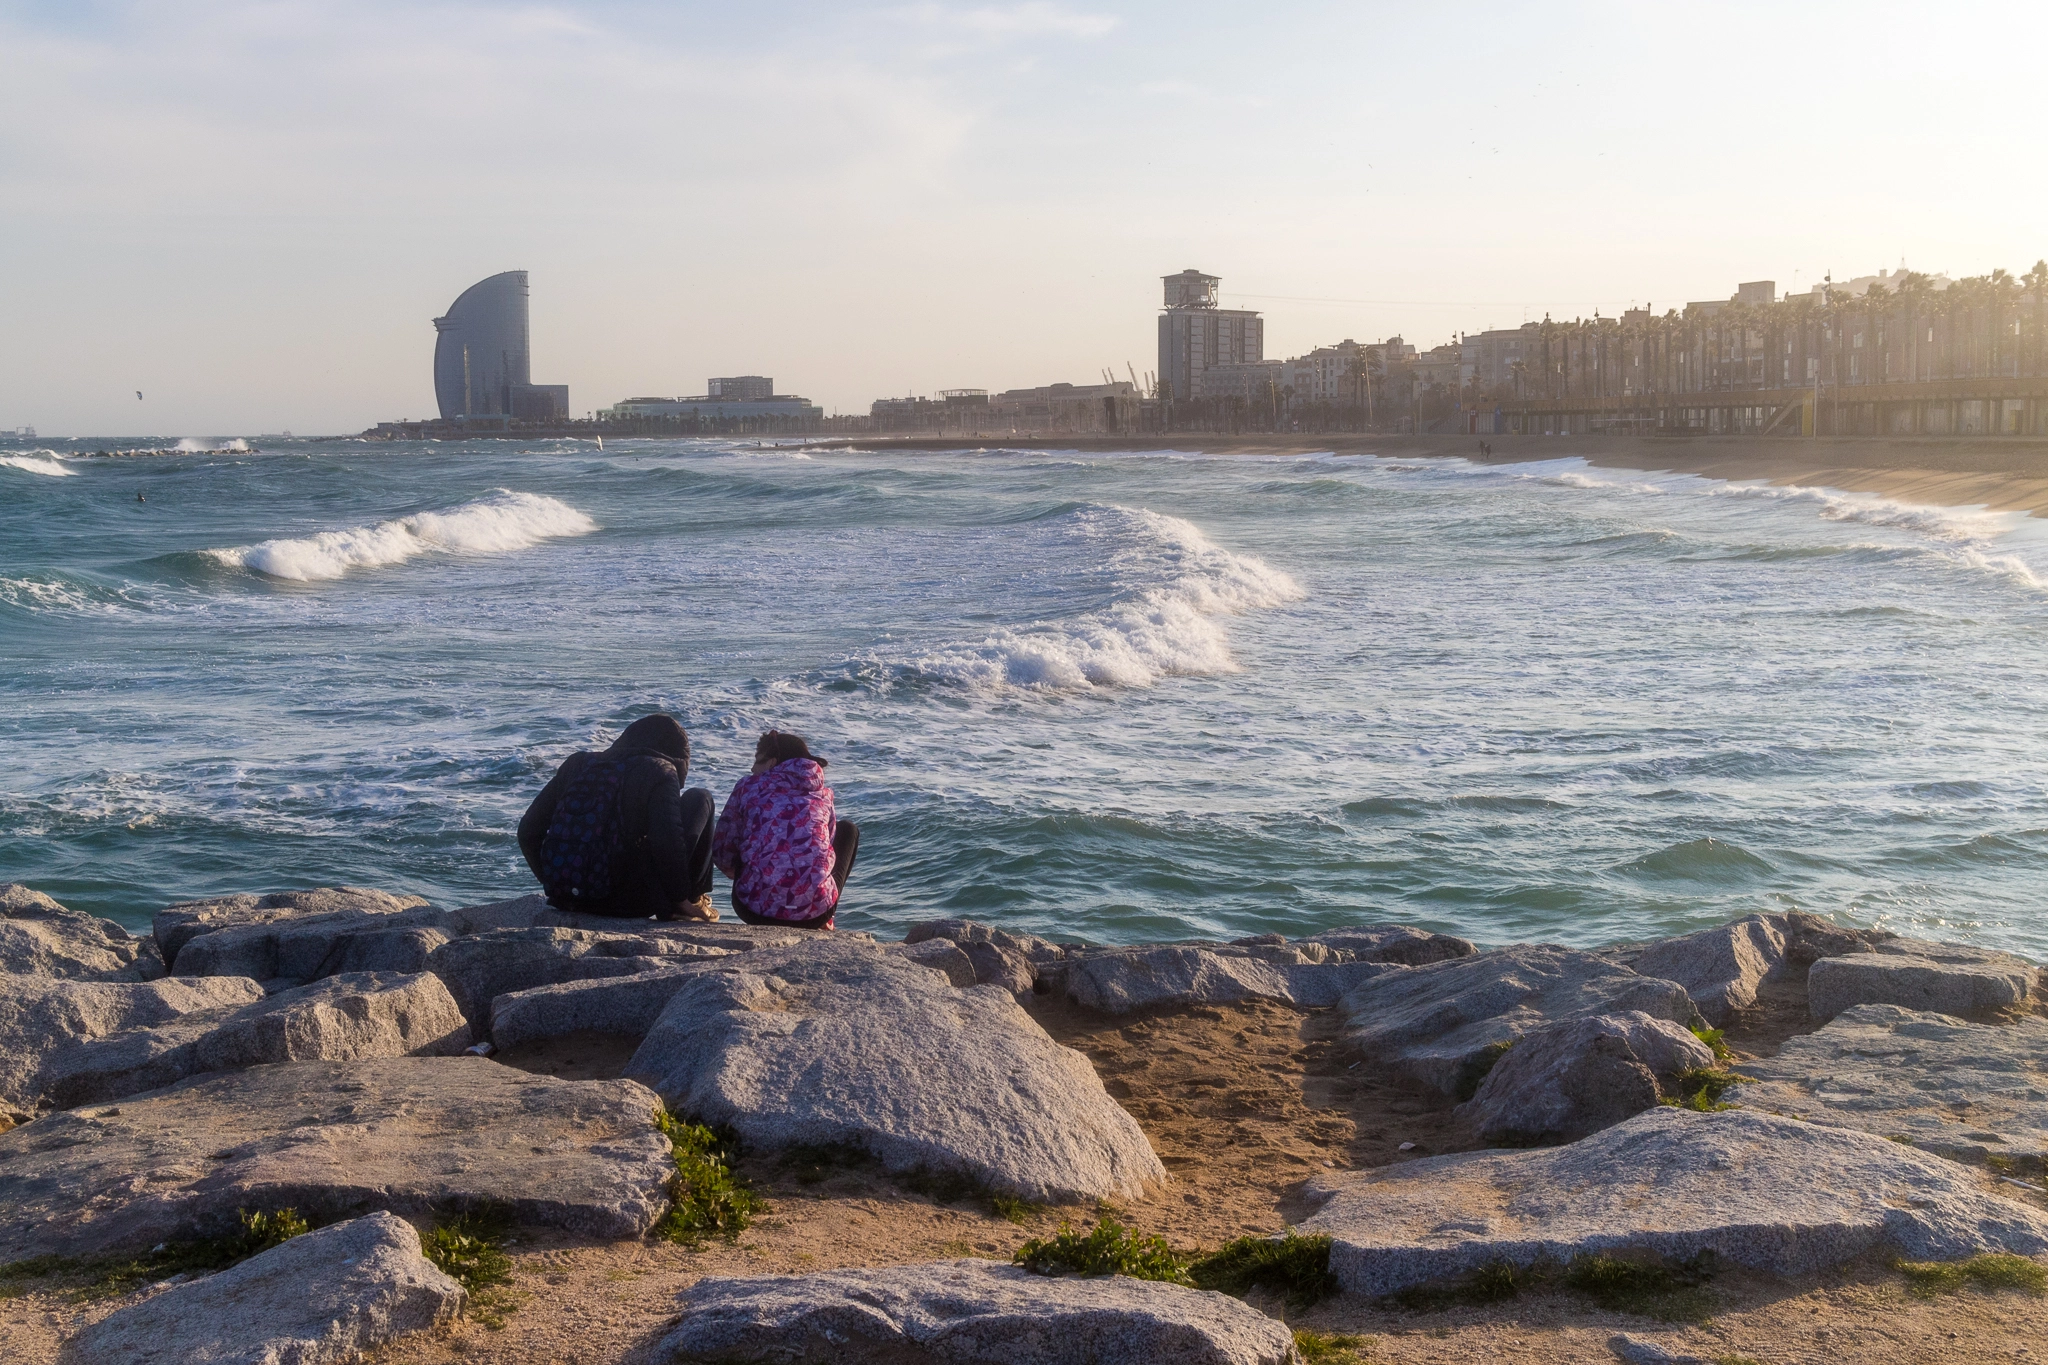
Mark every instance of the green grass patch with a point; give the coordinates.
(705, 1197)
(1012, 1209)
(1717, 1043)
(468, 1249)
(1700, 1089)
(1989, 1271)
(1668, 1293)
(259, 1231)
(1328, 1348)
(1297, 1266)
(1109, 1248)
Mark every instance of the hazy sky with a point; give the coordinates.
(251, 211)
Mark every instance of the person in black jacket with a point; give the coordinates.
(654, 835)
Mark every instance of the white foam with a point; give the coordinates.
(37, 594)
(1167, 623)
(1963, 534)
(38, 462)
(502, 521)
(192, 447)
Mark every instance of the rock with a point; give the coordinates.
(534, 912)
(1562, 1082)
(340, 1019)
(1941, 977)
(42, 1017)
(841, 1042)
(39, 937)
(1119, 980)
(1957, 1089)
(998, 966)
(410, 1135)
(1640, 1351)
(306, 947)
(1809, 938)
(942, 955)
(1393, 943)
(622, 1005)
(322, 1296)
(1719, 967)
(968, 1311)
(1446, 1023)
(177, 925)
(966, 931)
(481, 967)
(1771, 1194)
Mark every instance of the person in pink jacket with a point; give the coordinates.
(788, 855)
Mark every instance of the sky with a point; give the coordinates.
(251, 212)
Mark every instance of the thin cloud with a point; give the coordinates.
(1033, 19)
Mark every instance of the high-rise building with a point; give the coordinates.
(1195, 334)
(741, 387)
(482, 359)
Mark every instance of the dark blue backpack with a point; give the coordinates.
(579, 855)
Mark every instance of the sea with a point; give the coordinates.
(1102, 697)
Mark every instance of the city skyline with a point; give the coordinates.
(245, 211)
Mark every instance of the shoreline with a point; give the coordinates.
(2000, 475)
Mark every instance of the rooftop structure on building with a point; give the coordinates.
(1890, 279)
(743, 387)
(1194, 334)
(482, 357)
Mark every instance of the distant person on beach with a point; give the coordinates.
(787, 853)
(616, 833)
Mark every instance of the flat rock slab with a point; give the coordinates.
(1570, 1079)
(1919, 975)
(415, 1136)
(44, 1017)
(176, 925)
(1721, 967)
(1122, 980)
(1961, 1090)
(1772, 1194)
(965, 1312)
(843, 1042)
(1399, 943)
(534, 912)
(322, 1297)
(39, 937)
(481, 967)
(1445, 1024)
(341, 1019)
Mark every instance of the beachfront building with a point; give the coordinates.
(1243, 381)
(1065, 409)
(788, 412)
(482, 359)
(1195, 334)
(744, 387)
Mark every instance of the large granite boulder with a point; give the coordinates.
(1720, 967)
(966, 1312)
(481, 967)
(1399, 943)
(413, 1135)
(1118, 981)
(291, 952)
(1809, 938)
(1920, 975)
(942, 955)
(966, 931)
(626, 1006)
(1771, 1194)
(39, 937)
(1444, 1025)
(843, 1042)
(1962, 1090)
(323, 1296)
(43, 1017)
(177, 925)
(1560, 1083)
(534, 912)
(340, 1019)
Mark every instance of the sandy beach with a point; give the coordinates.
(2003, 475)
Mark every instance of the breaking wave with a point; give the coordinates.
(502, 521)
(1964, 534)
(1175, 587)
(190, 446)
(39, 462)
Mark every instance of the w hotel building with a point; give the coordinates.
(1195, 334)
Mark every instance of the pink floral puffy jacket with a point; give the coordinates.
(776, 830)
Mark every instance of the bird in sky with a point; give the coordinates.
(138, 395)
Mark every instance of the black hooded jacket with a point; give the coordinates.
(664, 863)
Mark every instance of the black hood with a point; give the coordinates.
(656, 734)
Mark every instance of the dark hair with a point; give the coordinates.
(779, 746)
(658, 733)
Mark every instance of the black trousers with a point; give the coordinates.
(845, 845)
(638, 892)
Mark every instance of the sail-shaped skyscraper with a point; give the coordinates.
(482, 361)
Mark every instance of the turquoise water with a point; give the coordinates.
(1113, 697)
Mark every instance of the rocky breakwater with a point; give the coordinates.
(303, 1050)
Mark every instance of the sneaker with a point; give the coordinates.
(699, 911)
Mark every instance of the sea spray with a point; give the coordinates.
(502, 521)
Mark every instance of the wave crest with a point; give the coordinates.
(502, 521)
(39, 462)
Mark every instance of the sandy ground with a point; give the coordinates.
(2003, 475)
(1242, 1103)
